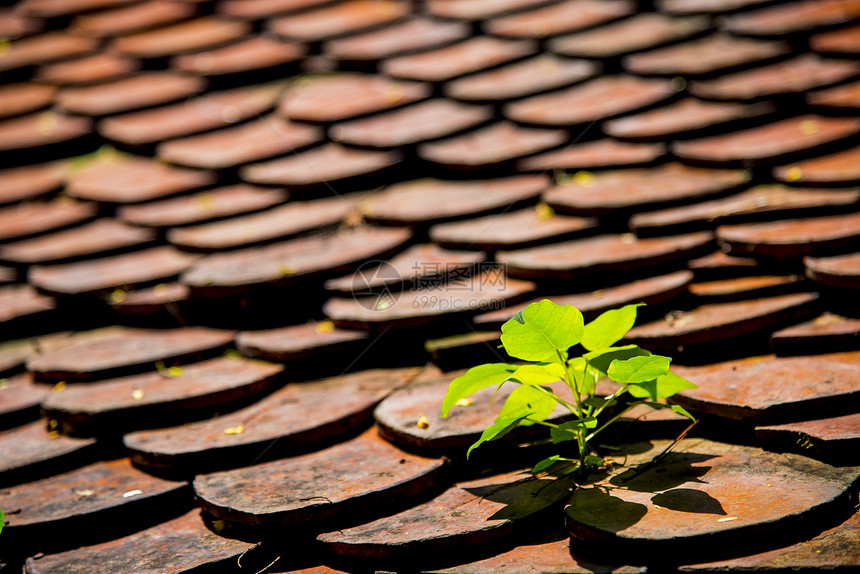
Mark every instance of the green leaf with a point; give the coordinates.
(529, 399)
(682, 411)
(603, 358)
(474, 380)
(567, 431)
(541, 330)
(638, 369)
(609, 327)
(545, 464)
(585, 375)
(661, 387)
(541, 374)
(599, 402)
(2, 520)
(497, 430)
(592, 460)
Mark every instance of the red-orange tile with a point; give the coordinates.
(189, 36)
(837, 271)
(132, 179)
(42, 129)
(295, 342)
(558, 18)
(259, 9)
(24, 97)
(14, 24)
(837, 42)
(31, 451)
(793, 17)
(150, 300)
(206, 112)
(767, 143)
(232, 146)
(31, 181)
(128, 19)
(598, 154)
(539, 74)
(685, 7)
(204, 206)
(840, 168)
(471, 10)
(794, 76)
(844, 97)
(496, 144)
(59, 8)
(100, 67)
(318, 166)
(35, 218)
(598, 99)
(825, 333)
(639, 32)
(469, 56)
(684, 118)
(410, 125)
(155, 265)
(715, 53)
(414, 35)
(44, 49)
(19, 303)
(250, 55)
(339, 20)
(341, 96)
(641, 189)
(124, 95)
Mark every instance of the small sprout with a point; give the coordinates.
(218, 526)
(137, 394)
(53, 424)
(131, 493)
(238, 429)
(423, 422)
(60, 387)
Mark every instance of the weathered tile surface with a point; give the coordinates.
(127, 19)
(836, 438)
(32, 450)
(839, 270)
(794, 17)
(127, 94)
(339, 20)
(42, 129)
(826, 333)
(88, 70)
(309, 340)
(604, 153)
(20, 397)
(557, 18)
(28, 219)
(413, 35)
(31, 181)
(838, 168)
(254, 54)
(189, 36)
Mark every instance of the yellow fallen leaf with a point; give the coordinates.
(727, 519)
(238, 429)
(325, 326)
(465, 402)
(137, 394)
(60, 387)
(794, 174)
(544, 212)
(422, 423)
(175, 371)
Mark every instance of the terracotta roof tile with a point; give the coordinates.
(415, 266)
(601, 254)
(837, 42)
(134, 18)
(44, 49)
(719, 265)
(19, 403)
(597, 154)
(254, 54)
(413, 35)
(685, 118)
(59, 8)
(837, 168)
(715, 53)
(466, 57)
(471, 10)
(771, 142)
(834, 439)
(652, 291)
(180, 394)
(760, 203)
(838, 271)
(341, 96)
(639, 32)
(233, 146)
(8, 275)
(181, 543)
(14, 24)
(825, 333)
(793, 17)
(132, 179)
(289, 415)
(306, 341)
(512, 230)
(641, 188)
(794, 76)
(25, 310)
(498, 143)
(259, 9)
(558, 18)
(100, 67)
(42, 129)
(363, 476)
(127, 94)
(413, 124)
(31, 181)
(538, 74)
(685, 7)
(154, 265)
(203, 113)
(739, 288)
(734, 389)
(340, 19)
(431, 200)
(395, 539)
(101, 237)
(149, 300)
(51, 505)
(25, 97)
(318, 166)
(280, 222)
(736, 478)
(306, 259)
(204, 206)
(792, 238)
(722, 321)
(29, 219)
(31, 451)
(844, 97)
(189, 36)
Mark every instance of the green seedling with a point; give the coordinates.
(543, 334)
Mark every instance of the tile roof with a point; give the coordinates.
(236, 235)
